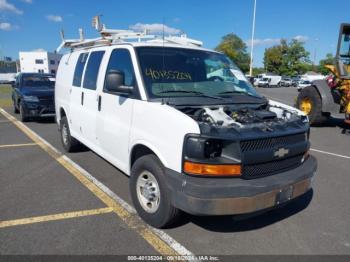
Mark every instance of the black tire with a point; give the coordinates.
(22, 114)
(316, 116)
(165, 214)
(15, 109)
(70, 144)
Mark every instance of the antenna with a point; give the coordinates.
(62, 34)
(163, 27)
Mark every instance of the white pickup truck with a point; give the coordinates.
(188, 139)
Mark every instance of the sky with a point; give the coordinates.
(27, 25)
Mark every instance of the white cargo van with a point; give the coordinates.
(268, 80)
(189, 140)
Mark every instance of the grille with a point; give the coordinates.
(46, 98)
(271, 168)
(270, 143)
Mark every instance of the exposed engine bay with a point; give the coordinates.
(262, 117)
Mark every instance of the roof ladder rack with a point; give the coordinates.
(109, 36)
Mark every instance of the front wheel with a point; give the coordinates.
(150, 194)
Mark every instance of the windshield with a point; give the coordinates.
(38, 81)
(179, 72)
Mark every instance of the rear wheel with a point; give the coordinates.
(309, 101)
(70, 144)
(150, 194)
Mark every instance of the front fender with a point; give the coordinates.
(162, 129)
(151, 147)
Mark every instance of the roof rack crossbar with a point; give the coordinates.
(109, 36)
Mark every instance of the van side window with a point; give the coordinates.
(92, 69)
(79, 68)
(121, 60)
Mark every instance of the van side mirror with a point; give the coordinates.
(115, 82)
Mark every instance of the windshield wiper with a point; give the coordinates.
(237, 92)
(191, 92)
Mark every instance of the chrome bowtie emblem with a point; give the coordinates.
(281, 152)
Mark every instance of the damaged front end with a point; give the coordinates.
(256, 139)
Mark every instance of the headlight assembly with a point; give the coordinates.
(211, 157)
(30, 98)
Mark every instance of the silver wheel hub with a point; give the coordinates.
(147, 190)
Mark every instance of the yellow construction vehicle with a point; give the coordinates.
(331, 95)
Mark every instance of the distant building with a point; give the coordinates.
(39, 62)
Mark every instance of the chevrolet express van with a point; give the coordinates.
(190, 139)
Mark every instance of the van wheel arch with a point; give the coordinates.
(62, 112)
(138, 151)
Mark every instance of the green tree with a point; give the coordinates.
(287, 58)
(298, 61)
(273, 58)
(329, 60)
(235, 48)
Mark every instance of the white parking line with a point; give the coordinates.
(180, 249)
(329, 153)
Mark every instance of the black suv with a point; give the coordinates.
(33, 95)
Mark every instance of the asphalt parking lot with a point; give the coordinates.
(48, 206)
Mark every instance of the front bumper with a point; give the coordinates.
(38, 110)
(229, 196)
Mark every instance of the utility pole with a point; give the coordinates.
(315, 54)
(252, 42)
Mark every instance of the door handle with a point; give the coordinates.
(82, 98)
(99, 103)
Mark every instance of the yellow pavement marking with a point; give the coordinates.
(130, 219)
(32, 220)
(18, 145)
